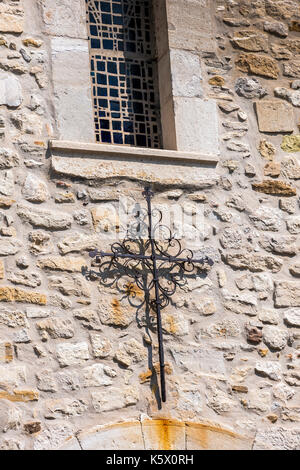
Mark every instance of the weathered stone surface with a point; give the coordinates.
(270, 369)
(8, 159)
(11, 19)
(7, 183)
(287, 294)
(20, 395)
(249, 88)
(231, 238)
(70, 285)
(227, 328)
(130, 351)
(291, 168)
(240, 303)
(21, 336)
(44, 218)
(269, 317)
(53, 436)
(11, 93)
(61, 263)
(290, 95)
(40, 242)
(292, 69)
(114, 399)
(292, 317)
(138, 171)
(101, 347)
(77, 243)
(9, 247)
(95, 376)
(12, 318)
(267, 219)
(249, 40)
(288, 205)
(272, 169)
(113, 311)
(293, 224)
(56, 327)
(236, 21)
(281, 52)
(275, 337)
(266, 149)
(65, 198)
(217, 80)
(291, 143)
(6, 202)
(71, 354)
(105, 219)
(254, 262)
(25, 279)
(278, 29)
(280, 244)
(46, 381)
(88, 318)
(277, 439)
(11, 294)
(295, 270)
(219, 401)
(35, 190)
(258, 65)
(253, 334)
(274, 116)
(275, 188)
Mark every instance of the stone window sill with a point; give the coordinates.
(93, 150)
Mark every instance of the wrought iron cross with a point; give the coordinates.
(154, 255)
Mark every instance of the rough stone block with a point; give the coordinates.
(274, 116)
(287, 294)
(10, 294)
(10, 90)
(140, 170)
(72, 354)
(61, 263)
(11, 19)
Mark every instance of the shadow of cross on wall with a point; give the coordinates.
(148, 270)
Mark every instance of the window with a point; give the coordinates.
(123, 71)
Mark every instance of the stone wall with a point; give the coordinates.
(72, 355)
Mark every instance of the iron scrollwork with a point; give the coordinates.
(152, 247)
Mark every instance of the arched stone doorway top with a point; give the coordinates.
(158, 434)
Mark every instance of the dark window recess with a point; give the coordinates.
(123, 70)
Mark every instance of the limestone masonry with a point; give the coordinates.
(78, 367)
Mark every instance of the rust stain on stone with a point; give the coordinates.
(118, 317)
(146, 376)
(133, 290)
(170, 324)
